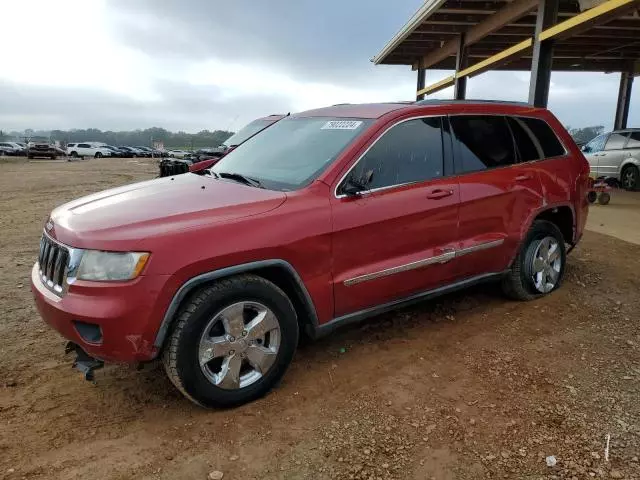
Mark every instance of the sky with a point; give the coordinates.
(192, 65)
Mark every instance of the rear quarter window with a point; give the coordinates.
(634, 140)
(548, 140)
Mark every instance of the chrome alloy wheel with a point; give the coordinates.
(239, 345)
(547, 262)
(629, 179)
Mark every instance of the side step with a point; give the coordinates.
(85, 363)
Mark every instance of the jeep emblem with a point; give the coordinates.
(48, 225)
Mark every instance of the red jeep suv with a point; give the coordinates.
(325, 218)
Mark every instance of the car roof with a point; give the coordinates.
(377, 110)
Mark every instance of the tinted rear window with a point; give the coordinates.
(525, 147)
(616, 141)
(551, 146)
(634, 140)
(484, 142)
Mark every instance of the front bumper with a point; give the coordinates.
(126, 313)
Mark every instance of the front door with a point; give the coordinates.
(396, 237)
(593, 151)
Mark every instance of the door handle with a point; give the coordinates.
(522, 178)
(439, 193)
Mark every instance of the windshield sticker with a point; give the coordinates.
(341, 125)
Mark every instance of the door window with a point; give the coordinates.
(634, 140)
(596, 145)
(484, 142)
(616, 141)
(527, 149)
(84, 145)
(548, 140)
(409, 152)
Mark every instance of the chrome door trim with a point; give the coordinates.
(479, 247)
(443, 258)
(367, 192)
(447, 256)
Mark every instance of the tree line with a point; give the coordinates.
(204, 138)
(147, 137)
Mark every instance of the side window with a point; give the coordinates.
(484, 142)
(84, 145)
(526, 148)
(616, 141)
(595, 145)
(409, 152)
(634, 140)
(71, 145)
(551, 146)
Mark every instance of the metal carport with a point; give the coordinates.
(473, 36)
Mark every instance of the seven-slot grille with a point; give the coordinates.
(53, 261)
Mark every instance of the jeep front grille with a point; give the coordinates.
(53, 262)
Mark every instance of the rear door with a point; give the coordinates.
(497, 192)
(397, 237)
(610, 159)
(84, 149)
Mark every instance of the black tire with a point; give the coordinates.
(98, 155)
(518, 284)
(180, 355)
(73, 154)
(592, 196)
(630, 178)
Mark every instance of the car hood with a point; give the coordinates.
(121, 218)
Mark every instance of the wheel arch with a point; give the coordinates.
(629, 161)
(562, 217)
(280, 272)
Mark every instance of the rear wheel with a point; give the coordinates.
(98, 155)
(630, 177)
(232, 342)
(539, 266)
(74, 154)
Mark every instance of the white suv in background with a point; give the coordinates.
(616, 155)
(88, 149)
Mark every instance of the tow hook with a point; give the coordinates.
(85, 363)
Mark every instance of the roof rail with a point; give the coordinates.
(446, 102)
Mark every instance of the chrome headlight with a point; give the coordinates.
(109, 266)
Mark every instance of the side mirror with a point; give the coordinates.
(585, 148)
(354, 186)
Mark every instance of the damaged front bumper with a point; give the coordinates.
(84, 362)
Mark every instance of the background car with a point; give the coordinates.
(207, 157)
(616, 156)
(88, 149)
(7, 148)
(178, 153)
(42, 149)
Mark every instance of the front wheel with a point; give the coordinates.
(539, 266)
(630, 177)
(98, 155)
(232, 342)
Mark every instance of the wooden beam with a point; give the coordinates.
(442, 84)
(604, 9)
(504, 16)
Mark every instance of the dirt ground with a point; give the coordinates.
(471, 386)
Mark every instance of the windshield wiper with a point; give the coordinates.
(241, 178)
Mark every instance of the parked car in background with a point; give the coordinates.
(9, 148)
(327, 217)
(178, 153)
(88, 149)
(152, 152)
(130, 151)
(616, 156)
(205, 158)
(42, 149)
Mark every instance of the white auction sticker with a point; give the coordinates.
(341, 125)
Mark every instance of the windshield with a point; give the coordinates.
(293, 152)
(248, 131)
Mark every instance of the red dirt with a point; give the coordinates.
(471, 386)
